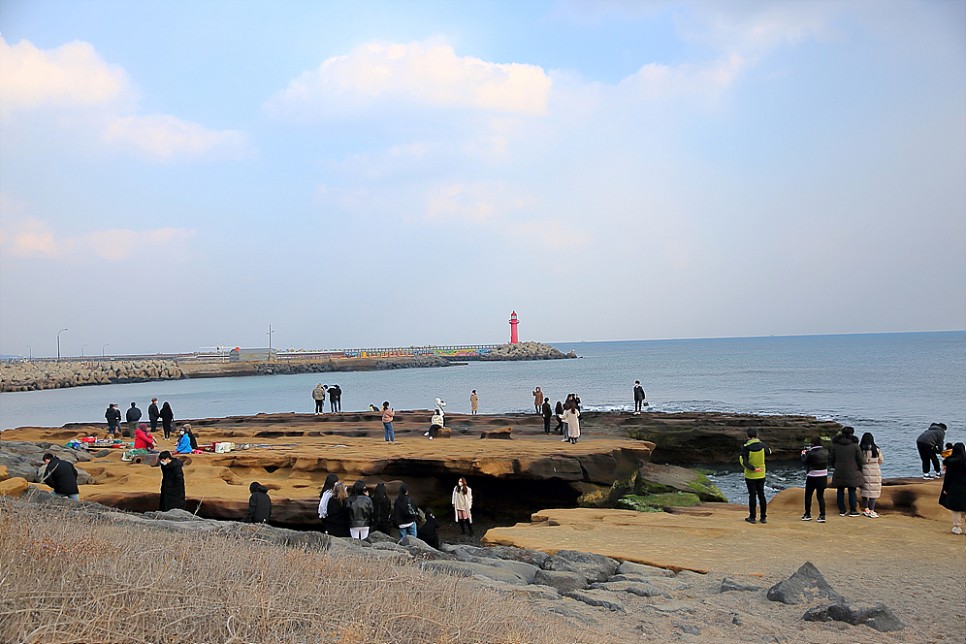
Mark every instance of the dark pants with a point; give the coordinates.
(154, 424)
(546, 424)
(927, 453)
(816, 484)
(560, 426)
(335, 404)
(756, 492)
(166, 426)
(840, 499)
(320, 406)
(638, 404)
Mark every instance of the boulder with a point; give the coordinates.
(15, 486)
(877, 617)
(654, 478)
(593, 567)
(806, 585)
(729, 584)
(470, 553)
(563, 582)
(469, 569)
(639, 588)
(641, 570)
(598, 599)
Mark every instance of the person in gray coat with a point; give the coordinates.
(846, 457)
(930, 444)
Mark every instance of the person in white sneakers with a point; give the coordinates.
(871, 475)
(953, 495)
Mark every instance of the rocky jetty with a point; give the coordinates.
(526, 351)
(31, 376)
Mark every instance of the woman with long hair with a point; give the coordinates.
(326, 494)
(404, 513)
(359, 510)
(463, 505)
(381, 510)
(558, 412)
(953, 495)
(167, 418)
(871, 474)
(337, 518)
(387, 415)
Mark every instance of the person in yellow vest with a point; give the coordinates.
(752, 458)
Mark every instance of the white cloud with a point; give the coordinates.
(32, 238)
(656, 81)
(165, 138)
(419, 73)
(71, 75)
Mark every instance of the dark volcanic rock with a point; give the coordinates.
(805, 586)
(877, 617)
(592, 566)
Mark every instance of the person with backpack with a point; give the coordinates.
(405, 513)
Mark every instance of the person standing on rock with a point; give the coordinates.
(360, 510)
(474, 402)
(381, 510)
(61, 475)
(318, 395)
(558, 412)
(259, 504)
(463, 506)
(953, 495)
(846, 458)
(335, 398)
(815, 459)
(330, 480)
(571, 418)
(404, 513)
(752, 459)
(167, 418)
(547, 412)
(132, 417)
(537, 399)
(113, 416)
(172, 482)
(929, 444)
(871, 474)
(387, 416)
(154, 414)
(337, 517)
(639, 396)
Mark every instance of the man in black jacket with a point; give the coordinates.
(113, 416)
(133, 416)
(62, 476)
(154, 414)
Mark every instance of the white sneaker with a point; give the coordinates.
(430, 438)
(927, 476)
(957, 530)
(873, 514)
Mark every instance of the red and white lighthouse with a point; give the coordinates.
(514, 338)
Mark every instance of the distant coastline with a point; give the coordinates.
(45, 374)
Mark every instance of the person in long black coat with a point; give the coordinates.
(167, 418)
(953, 495)
(337, 519)
(846, 457)
(172, 483)
(259, 504)
(381, 510)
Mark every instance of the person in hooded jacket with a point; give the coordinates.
(752, 459)
(143, 438)
(846, 458)
(259, 504)
(337, 518)
(360, 510)
(61, 475)
(815, 459)
(930, 444)
(381, 510)
(404, 513)
(953, 495)
(172, 483)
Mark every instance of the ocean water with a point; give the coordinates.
(892, 385)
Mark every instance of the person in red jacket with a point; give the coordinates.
(143, 438)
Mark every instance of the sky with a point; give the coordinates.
(182, 175)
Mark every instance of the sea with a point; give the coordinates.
(893, 385)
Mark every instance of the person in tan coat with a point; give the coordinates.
(871, 474)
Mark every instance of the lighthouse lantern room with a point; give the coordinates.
(514, 338)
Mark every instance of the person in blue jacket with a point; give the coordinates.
(184, 443)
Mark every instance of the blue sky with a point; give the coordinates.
(176, 175)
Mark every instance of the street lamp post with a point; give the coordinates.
(103, 349)
(58, 343)
(83, 346)
(30, 353)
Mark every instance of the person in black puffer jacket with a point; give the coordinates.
(359, 509)
(259, 504)
(953, 495)
(929, 444)
(381, 510)
(846, 457)
(815, 459)
(62, 476)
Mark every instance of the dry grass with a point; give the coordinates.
(71, 576)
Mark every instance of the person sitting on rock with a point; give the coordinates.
(184, 443)
(143, 438)
(259, 504)
(61, 476)
(191, 437)
(435, 424)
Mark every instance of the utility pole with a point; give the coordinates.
(30, 353)
(58, 343)
(270, 332)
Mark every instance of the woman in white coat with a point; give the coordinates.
(463, 506)
(570, 418)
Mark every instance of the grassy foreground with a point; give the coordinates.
(67, 575)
